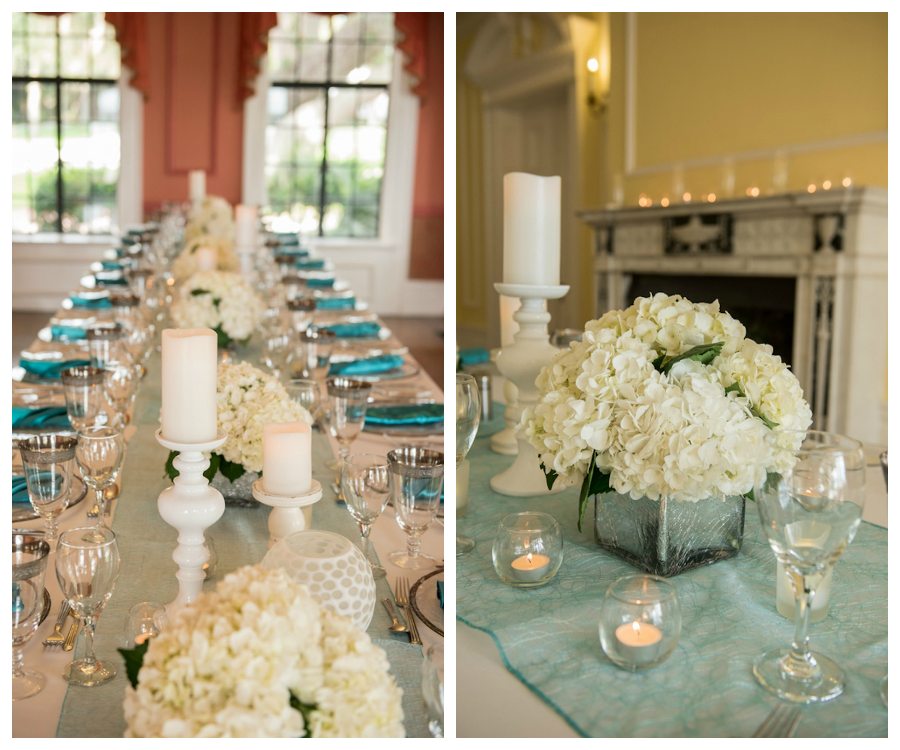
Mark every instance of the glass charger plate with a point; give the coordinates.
(408, 370)
(425, 603)
(27, 513)
(407, 430)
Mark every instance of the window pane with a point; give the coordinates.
(105, 58)
(74, 57)
(379, 59)
(345, 57)
(282, 60)
(41, 52)
(312, 62)
(378, 27)
(41, 25)
(346, 27)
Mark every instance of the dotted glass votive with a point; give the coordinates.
(640, 622)
(528, 549)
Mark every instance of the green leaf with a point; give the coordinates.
(222, 338)
(599, 483)
(304, 708)
(704, 354)
(735, 387)
(657, 363)
(171, 471)
(198, 292)
(134, 658)
(585, 489)
(750, 496)
(213, 466)
(230, 470)
(549, 474)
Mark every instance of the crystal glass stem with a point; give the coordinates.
(89, 661)
(18, 665)
(413, 544)
(365, 529)
(799, 662)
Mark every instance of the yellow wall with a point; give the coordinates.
(707, 88)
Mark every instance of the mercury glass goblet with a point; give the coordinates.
(366, 488)
(82, 387)
(345, 415)
(99, 454)
(810, 512)
(468, 416)
(47, 460)
(417, 483)
(29, 567)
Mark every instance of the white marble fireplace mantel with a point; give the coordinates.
(833, 244)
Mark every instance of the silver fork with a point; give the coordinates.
(57, 638)
(782, 722)
(403, 600)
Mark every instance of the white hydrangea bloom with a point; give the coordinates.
(229, 304)
(185, 265)
(214, 216)
(227, 664)
(678, 434)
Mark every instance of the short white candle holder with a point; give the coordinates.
(520, 363)
(190, 506)
(505, 441)
(289, 513)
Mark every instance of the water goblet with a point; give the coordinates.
(366, 488)
(302, 312)
(105, 345)
(144, 621)
(47, 460)
(99, 454)
(468, 416)
(87, 566)
(418, 477)
(275, 350)
(307, 394)
(345, 414)
(311, 354)
(82, 387)
(29, 566)
(120, 386)
(810, 512)
(433, 688)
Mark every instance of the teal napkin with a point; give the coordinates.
(405, 414)
(440, 588)
(115, 281)
(67, 332)
(366, 366)
(354, 330)
(90, 304)
(335, 303)
(111, 265)
(298, 252)
(475, 356)
(19, 491)
(52, 369)
(285, 238)
(322, 283)
(310, 265)
(49, 416)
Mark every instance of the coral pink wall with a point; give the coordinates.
(192, 119)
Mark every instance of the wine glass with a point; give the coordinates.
(275, 350)
(87, 566)
(468, 415)
(418, 480)
(47, 461)
(433, 688)
(120, 386)
(366, 487)
(99, 455)
(307, 394)
(29, 566)
(82, 388)
(345, 415)
(810, 512)
(311, 354)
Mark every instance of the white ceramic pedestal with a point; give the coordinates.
(505, 441)
(288, 514)
(521, 363)
(191, 506)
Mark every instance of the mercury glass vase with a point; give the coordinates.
(666, 537)
(237, 494)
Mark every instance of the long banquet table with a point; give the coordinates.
(147, 572)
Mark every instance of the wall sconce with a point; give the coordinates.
(596, 101)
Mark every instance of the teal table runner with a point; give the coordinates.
(548, 637)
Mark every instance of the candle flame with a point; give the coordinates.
(637, 627)
(528, 557)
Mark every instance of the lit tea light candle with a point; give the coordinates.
(638, 642)
(146, 636)
(207, 258)
(530, 568)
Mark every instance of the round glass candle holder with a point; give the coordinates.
(528, 549)
(640, 622)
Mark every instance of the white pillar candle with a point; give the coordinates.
(189, 385)
(462, 488)
(197, 185)
(245, 219)
(530, 568)
(287, 458)
(207, 258)
(531, 229)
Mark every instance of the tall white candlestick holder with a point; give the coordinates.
(520, 363)
(505, 441)
(190, 506)
(289, 513)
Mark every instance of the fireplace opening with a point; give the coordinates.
(764, 304)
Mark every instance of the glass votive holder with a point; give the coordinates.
(144, 621)
(528, 549)
(640, 622)
(209, 567)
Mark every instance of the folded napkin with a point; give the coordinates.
(49, 416)
(475, 356)
(310, 265)
(440, 588)
(50, 369)
(298, 252)
(67, 332)
(111, 265)
(354, 330)
(114, 281)
(369, 365)
(90, 304)
(321, 283)
(400, 414)
(285, 238)
(335, 303)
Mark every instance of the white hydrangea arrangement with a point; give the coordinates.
(260, 657)
(667, 398)
(185, 264)
(248, 398)
(213, 216)
(220, 300)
